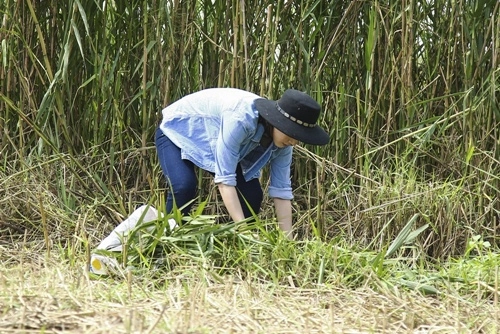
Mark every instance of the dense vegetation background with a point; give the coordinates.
(410, 91)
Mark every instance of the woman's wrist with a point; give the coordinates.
(287, 229)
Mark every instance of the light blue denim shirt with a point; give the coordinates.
(218, 128)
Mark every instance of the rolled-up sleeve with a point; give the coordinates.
(281, 185)
(233, 133)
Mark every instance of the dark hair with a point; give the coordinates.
(267, 137)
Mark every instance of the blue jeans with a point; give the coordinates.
(181, 178)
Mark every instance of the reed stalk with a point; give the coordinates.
(409, 92)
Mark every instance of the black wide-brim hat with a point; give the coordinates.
(295, 114)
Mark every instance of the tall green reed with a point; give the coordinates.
(408, 88)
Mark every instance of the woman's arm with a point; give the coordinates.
(231, 201)
(284, 215)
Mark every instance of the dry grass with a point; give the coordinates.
(51, 295)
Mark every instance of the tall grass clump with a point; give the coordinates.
(409, 91)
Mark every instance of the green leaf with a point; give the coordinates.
(402, 237)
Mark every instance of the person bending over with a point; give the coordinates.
(233, 134)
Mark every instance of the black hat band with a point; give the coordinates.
(293, 119)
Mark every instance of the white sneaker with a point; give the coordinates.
(103, 265)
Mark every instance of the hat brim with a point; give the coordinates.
(314, 136)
